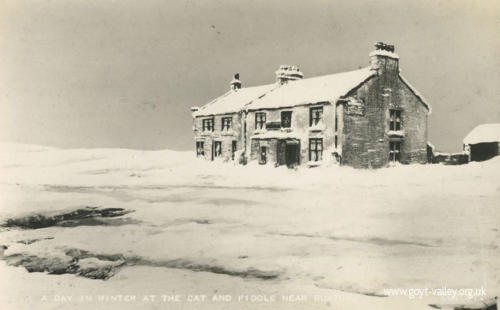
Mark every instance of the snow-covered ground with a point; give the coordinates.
(122, 224)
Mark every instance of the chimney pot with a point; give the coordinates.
(383, 59)
(287, 73)
(235, 82)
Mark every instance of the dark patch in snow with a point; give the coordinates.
(375, 240)
(104, 266)
(349, 289)
(79, 217)
(30, 241)
(100, 267)
(229, 201)
(99, 189)
(202, 221)
(198, 267)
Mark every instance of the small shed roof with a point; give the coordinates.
(483, 133)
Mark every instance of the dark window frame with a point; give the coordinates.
(395, 151)
(217, 151)
(314, 117)
(395, 120)
(208, 124)
(260, 120)
(315, 149)
(226, 123)
(200, 148)
(286, 119)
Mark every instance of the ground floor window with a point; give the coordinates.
(218, 149)
(394, 151)
(315, 149)
(263, 155)
(233, 149)
(200, 149)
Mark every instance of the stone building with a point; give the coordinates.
(363, 118)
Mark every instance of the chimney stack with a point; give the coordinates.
(235, 83)
(288, 73)
(383, 59)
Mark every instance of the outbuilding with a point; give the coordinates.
(483, 142)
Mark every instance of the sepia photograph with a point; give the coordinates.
(222, 155)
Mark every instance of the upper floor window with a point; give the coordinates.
(226, 123)
(286, 119)
(208, 124)
(315, 115)
(315, 149)
(394, 120)
(260, 120)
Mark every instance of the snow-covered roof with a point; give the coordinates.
(312, 90)
(483, 133)
(234, 100)
(304, 91)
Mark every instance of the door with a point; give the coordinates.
(292, 155)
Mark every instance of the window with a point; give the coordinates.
(208, 124)
(315, 149)
(226, 123)
(394, 151)
(218, 149)
(286, 119)
(233, 149)
(394, 120)
(315, 115)
(200, 150)
(263, 155)
(260, 120)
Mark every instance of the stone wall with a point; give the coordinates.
(299, 129)
(365, 132)
(226, 137)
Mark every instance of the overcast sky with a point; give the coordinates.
(124, 73)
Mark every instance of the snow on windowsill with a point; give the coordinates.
(317, 127)
(227, 133)
(398, 133)
(260, 131)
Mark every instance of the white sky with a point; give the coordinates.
(124, 73)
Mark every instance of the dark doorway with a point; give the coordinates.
(263, 155)
(292, 154)
(233, 149)
(483, 151)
